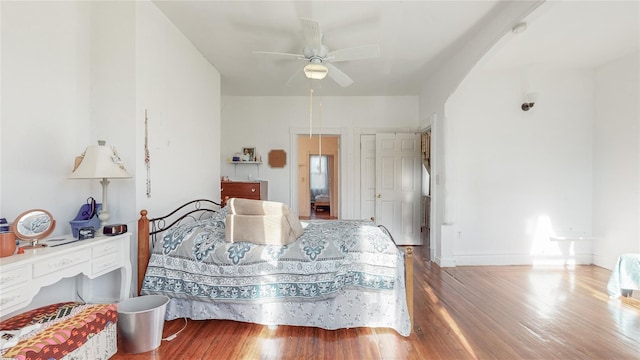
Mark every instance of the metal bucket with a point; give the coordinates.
(140, 323)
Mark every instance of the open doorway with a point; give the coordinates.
(320, 186)
(318, 177)
(425, 228)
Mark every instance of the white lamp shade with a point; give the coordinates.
(315, 71)
(99, 161)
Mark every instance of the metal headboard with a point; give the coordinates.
(195, 209)
(384, 228)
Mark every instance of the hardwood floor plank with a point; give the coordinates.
(492, 312)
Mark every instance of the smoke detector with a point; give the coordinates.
(519, 28)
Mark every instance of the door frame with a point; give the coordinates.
(343, 143)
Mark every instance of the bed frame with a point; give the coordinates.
(198, 209)
(324, 204)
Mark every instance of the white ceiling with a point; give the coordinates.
(582, 34)
(410, 35)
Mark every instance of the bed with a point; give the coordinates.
(625, 276)
(321, 202)
(337, 274)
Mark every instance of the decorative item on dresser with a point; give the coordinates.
(256, 190)
(7, 243)
(33, 225)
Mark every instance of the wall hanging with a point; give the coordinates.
(277, 158)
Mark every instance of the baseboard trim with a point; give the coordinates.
(512, 259)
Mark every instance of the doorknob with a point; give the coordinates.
(378, 195)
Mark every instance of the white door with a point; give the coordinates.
(398, 180)
(367, 176)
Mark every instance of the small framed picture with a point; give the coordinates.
(248, 153)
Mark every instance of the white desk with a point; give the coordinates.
(23, 275)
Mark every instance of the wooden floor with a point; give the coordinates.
(511, 312)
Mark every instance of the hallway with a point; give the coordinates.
(319, 213)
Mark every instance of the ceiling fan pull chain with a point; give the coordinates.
(310, 111)
(320, 129)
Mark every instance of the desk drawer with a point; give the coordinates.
(107, 248)
(105, 264)
(14, 276)
(63, 261)
(13, 297)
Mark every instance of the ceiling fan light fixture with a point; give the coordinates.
(315, 71)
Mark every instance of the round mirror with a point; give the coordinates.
(33, 225)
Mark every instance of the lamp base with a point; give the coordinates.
(103, 215)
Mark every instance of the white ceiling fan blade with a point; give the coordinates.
(297, 77)
(312, 35)
(354, 53)
(299, 56)
(338, 75)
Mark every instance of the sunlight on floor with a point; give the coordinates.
(270, 346)
(548, 286)
(452, 324)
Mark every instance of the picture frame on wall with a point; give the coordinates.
(248, 154)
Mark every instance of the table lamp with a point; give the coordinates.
(100, 162)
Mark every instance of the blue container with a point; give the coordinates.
(4, 226)
(84, 219)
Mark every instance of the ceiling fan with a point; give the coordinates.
(320, 59)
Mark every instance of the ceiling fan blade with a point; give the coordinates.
(354, 53)
(338, 75)
(312, 35)
(296, 78)
(299, 56)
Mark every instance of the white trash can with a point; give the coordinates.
(140, 323)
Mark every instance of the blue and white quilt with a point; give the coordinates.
(348, 266)
(195, 261)
(625, 276)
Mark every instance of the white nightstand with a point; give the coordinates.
(23, 275)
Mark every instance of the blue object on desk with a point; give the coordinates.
(85, 218)
(4, 228)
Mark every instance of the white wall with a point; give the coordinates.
(46, 107)
(615, 200)
(462, 56)
(515, 178)
(616, 174)
(181, 92)
(113, 99)
(74, 72)
(268, 122)
(455, 64)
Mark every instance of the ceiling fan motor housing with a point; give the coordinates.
(319, 54)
